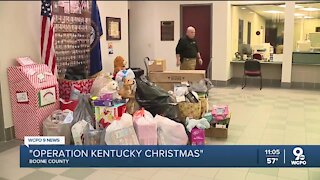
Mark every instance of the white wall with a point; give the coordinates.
(145, 20)
(20, 36)
(142, 32)
(118, 9)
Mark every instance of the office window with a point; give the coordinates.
(262, 29)
(240, 39)
(306, 27)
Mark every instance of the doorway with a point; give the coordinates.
(200, 17)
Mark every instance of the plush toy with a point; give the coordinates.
(122, 75)
(111, 87)
(128, 91)
(199, 123)
(119, 64)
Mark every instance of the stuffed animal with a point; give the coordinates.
(128, 91)
(119, 64)
(111, 87)
(122, 75)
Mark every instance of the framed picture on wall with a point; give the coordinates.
(113, 28)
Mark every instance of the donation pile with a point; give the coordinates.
(119, 108)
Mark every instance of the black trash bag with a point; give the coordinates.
(137, 72)
(156, 100)
(77, 72)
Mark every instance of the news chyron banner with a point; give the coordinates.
(50, 152)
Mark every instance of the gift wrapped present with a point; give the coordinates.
(34, 95)
(104, 115)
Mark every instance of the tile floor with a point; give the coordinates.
(270, 116)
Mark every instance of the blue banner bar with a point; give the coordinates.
(170, 156)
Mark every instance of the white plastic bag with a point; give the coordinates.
(145, 127)
(99, 83)
(78, 130)
(57, 125)
(121, 132)
(170, 132)
(93, 137)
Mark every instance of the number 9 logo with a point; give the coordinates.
(298, 152)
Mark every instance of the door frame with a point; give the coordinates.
(2, 128)
(182, 31)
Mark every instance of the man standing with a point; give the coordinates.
(187, 52)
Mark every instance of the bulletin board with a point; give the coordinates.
(167, 30)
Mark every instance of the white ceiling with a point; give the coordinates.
(260, 9)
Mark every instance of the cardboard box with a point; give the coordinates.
(167, 79)
(157, 65)
(165, 85)
(218, 132)
(177, 76)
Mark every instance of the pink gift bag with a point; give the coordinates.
(145, 127)
(197, 136)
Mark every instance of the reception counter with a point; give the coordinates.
(271, 73)
(311, 58)
(305, 70)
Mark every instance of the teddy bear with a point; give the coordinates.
(119, 64)
(128, 92)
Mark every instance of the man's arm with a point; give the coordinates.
(178, 59)
(199, 56)
(179, 50)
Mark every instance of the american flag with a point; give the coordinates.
(47, 36)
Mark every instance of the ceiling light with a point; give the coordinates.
(243, 8)
(251, 12)
(296, 6)
(298, 15)
(310, 9)
(273, 12)
(305, 17)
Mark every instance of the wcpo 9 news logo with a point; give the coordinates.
(300, 159)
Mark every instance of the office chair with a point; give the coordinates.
(257, 56)
(252, 68)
